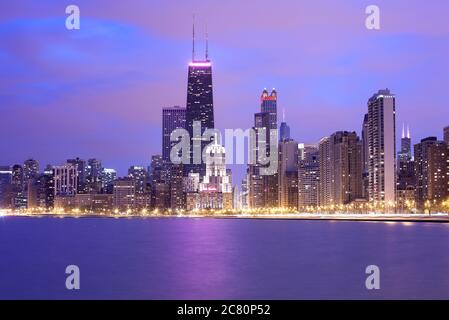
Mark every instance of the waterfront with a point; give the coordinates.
(185, 258)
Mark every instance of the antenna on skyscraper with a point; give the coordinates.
(403, 130)
(207, 44)
(193, 39)
(283, 115)
(408, 132)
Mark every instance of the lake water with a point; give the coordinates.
(177, 258)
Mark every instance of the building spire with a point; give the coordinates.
(283, 115)
(193, 39)
(403, 130)
(207, 44)
(408, 131)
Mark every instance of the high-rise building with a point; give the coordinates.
(5, 186)
(109, 176)
(365, 157)
(405, 191)
(82, 172)
(158, 170)
(140, 177)
(264, 187)
(340, 169)
(446, 134)
(65, 180)
(288, 173)
(432, 172)
(199, 107)
(177, 194)
(18, 188)
(308, 177)
(30, 170)
(382, 147)
(172, 119)
(124, 194)
(284, 132)
(284, 129)
(94, 172)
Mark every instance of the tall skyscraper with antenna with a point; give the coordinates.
(200, 106)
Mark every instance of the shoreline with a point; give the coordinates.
(393, 218)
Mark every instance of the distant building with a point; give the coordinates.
(365, 157)
(308, 177)
(172, 119)
(340, 169)
(96, 203)
(140, 177)
(81, 168)
(200, 104)
(406, 174)
(177, 195)
(94, 174)
(264, 186)
(288, 173)
(446, 134)
(161, 196)
(432, 172)
(65, 180)
(109, 176)
(5, 186)
(30, 170)
(284, 132)
(382, 147)
(124, 194)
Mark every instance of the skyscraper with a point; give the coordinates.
(65, 180)
(432, 172)
(340, 169)
(284, 132)
(288, 173)
(199, 107)
(5, 186)
(172, 119)
(365, 157)
(263, 189)
(405, 192)
(30, 170)
(446, 134)
(308, 177)
(382, 147)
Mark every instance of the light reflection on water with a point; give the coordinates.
(222, 258)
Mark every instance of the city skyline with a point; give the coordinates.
(120, 106)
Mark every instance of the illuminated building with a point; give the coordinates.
(382, 147)
(124, 194)
(406, 173)
(177, 195)
(140, 177)
(30, 170)
(94, 172)
(288, 173)
(172, 119)
(340, 169)
(109, 176)
(200, 106)
(308, 177)
(365, 157)
(5, 186)
(65, 180)
(446, 134)
(264, 188)
(432, 172)
(82, 172)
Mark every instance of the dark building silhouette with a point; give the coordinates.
(199, 107)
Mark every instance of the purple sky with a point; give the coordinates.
(98, 92)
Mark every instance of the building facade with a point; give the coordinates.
(382, 148)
